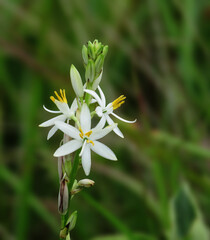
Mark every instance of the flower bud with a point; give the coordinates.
(63, 233)
(76, 81)
(85, 54)
(75, 191)
(91, 51)
(90, 71)
(105, 50)
(99, 63)
(60, 167)
(68, 237)
(71, 222)
(68, 166)
(86, 183)
(63, 197)
(98, 48)
(97, 81)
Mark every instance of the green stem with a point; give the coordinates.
(73, 174)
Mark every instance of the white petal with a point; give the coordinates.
(63, 107)
(51, 132)
(122, 119)
(86, 159)
(74, 105)
(95, 95)
(99, 133)
(103, 99)
(100, 124)
(93, 101)
(68, 148)
(68, 129)
(85, 118)
(83, 147)
(51, 111)
(116, 130)
(99, 111)
(52, 121)
(103, 150)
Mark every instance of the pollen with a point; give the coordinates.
(88, 133)
(61, 98)
(90, 141)
(118, 102)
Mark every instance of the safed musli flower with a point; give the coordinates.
(66, 112)
(104, 110)
(86, 139)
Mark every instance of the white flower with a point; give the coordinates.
(85, 138)
(104, 110)
(66, 112)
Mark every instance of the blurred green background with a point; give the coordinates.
(159, 58)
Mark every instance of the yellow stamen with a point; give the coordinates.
(61, 98)
(81, 133)
(64, 94)
(118, 102)
(61, 92)
(52, 98)
(88, 133)
(90, 141)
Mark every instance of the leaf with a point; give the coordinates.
(199, 230)
(187, 222)
(122, 237)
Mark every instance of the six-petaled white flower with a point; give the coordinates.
(104, 110)
(86, 139)
(67, 112)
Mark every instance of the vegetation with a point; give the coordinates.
(159, 58)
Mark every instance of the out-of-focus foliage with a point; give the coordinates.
(159, 58)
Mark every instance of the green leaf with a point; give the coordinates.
(122, 237)
(187, 222)
(199, 230)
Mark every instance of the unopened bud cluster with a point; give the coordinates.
(93, 56)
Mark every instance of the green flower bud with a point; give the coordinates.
(71, 222)
(63, 233)
(105, 50)
(99, 63)
(76, 81)
(99, 50)
(68, 166)
(91, 51)
(90, 71)
(85, 54)
(75, 191)
(97, 81)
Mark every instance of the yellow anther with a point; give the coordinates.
(61, 92)
(90, 141)
(52, 98)
(61, 98)
(118, 102)
(81, 133)
(88, 133)
(64, 94)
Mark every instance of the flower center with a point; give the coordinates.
(61, 98)
(118, 102)
(86, 136)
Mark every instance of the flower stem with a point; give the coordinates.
(73, 174)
